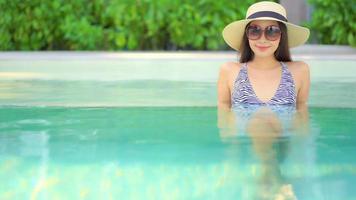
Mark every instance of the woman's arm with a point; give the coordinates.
(224, 101)
(226, 118)
(303, 92)
(301, 122)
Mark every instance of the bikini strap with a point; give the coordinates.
(244, 65)
(284, 65)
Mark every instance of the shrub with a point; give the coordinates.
(333, 21)
(116, 24)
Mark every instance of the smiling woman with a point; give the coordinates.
(266, 91)
(265, 74)
(274, 31)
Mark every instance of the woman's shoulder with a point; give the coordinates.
(298, 66)
(299, 70)
(230, 66)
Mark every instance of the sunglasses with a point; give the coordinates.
(272, 32)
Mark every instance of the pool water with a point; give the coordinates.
(147, 93)
(163, 152)
(160, 138)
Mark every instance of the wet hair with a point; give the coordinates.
(281, 54)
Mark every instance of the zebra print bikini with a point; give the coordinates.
(243, 92)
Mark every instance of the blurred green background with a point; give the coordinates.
(148, 24)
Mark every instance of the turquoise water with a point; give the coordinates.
(81, 131)
(148, 93)
(166, 152)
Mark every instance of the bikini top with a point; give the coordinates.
(243, 92)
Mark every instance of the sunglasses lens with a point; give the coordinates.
(253, 32)
(272, 32)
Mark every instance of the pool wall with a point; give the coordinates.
(333, 70)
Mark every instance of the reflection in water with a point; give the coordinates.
(270, 129)
(35, 144)
(129, 153)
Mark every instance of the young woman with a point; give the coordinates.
(258, 96)
(266, 74)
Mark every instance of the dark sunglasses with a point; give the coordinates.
(254, 32)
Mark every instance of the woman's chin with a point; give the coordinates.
(263, 54)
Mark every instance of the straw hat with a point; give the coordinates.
(264, 10)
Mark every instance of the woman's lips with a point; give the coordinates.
(262, 48)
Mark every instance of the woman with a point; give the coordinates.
(265, 87)
(266, 74)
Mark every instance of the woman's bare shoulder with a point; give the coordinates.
(299, 71)
(298, 66)
(230, 66)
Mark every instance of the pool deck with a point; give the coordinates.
(314, 52)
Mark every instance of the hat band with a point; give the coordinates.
(267, 14)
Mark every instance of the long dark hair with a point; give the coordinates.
(281, 54)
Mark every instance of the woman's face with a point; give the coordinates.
(264, 47)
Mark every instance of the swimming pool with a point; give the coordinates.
(144, 126)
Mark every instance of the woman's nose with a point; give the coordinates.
(263, 37)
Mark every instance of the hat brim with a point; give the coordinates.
(233, 32)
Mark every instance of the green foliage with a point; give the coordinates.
(334, 21)
(117, 24)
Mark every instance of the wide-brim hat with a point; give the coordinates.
(264, 10)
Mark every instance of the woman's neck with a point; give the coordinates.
(265, 63)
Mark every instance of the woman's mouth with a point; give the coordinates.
(262, 48)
